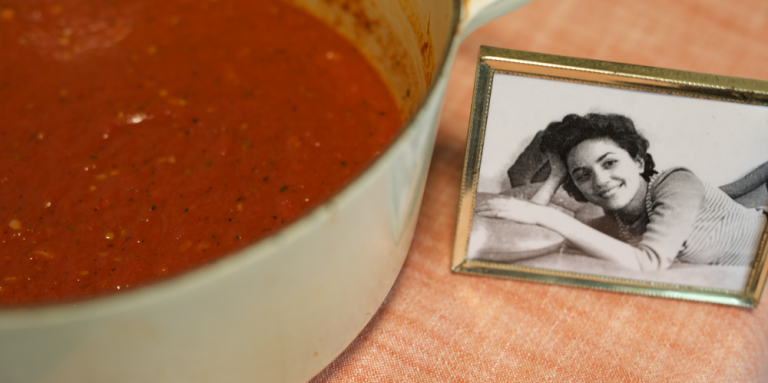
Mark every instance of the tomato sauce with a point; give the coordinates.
(143, 138)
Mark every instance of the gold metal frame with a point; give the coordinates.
(606, 74)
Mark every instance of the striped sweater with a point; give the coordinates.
(691, 221)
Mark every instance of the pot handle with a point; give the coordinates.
(478, 12)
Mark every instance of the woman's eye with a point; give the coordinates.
(609, 163)
(581, 177)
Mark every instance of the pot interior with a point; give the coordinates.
(406, 41)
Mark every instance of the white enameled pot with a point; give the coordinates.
(282, 309)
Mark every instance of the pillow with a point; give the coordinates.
(501, 240)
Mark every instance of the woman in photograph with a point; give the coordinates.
(651, 219)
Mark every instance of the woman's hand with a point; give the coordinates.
(558, 172)
(557, 175)
(510, 208)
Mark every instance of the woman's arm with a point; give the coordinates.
(557, 176)
(530, 166)
(677, 200)
(593, 242)
(580, 235)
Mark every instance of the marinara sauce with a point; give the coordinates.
(139, 139)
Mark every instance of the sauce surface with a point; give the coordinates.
(143, 138)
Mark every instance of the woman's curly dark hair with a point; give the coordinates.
(561, 136)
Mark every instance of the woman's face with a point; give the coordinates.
(605, 173)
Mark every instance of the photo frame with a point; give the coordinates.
(605, 221)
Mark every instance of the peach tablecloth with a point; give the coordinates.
(437, 326)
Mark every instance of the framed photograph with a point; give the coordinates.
(616, 177)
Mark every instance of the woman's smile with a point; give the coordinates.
(610, 192)
(606, 174)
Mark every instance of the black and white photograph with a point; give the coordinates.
(620, 183)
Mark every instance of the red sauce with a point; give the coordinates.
(140, 139)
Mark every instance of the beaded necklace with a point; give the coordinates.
(624, 232)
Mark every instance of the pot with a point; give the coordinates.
(285, 307)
